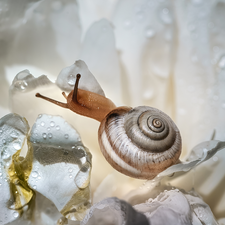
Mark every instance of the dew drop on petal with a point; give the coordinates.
(34, 174)
(70, 170)
(40, 115)
(15, 214)
(17, 145)
(70, 176)
(48, 128)
(50, 135)
(127, 24)
(149, 33)
(20, 85)
(57, 127)
(52, 123)
(34, 187)
(42, 124)
(1, 131)
(66, 136)
(3, 141)
(221, 62)
(82, 178)
(71, 79)
(44, 135)
(165, 16)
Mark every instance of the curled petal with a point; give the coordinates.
(113, 211)
(13, 131)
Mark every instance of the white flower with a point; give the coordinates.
(166, 54)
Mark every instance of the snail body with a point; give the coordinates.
(139, 142)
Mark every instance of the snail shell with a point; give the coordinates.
(139, 142)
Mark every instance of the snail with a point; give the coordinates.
(139, 142)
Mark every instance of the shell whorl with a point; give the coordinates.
(139, 142)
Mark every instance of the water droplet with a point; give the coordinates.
(71, 79)
(52, 123)
(17, 145)
(150, 33)
(57, 127)
(70, 176)
(221, 62)
(79, 152)
(127, 24)
(1, 131)
(3, 141)
(50, 135)
(42, 124)
(20, 85)
(44, 135)
(82, 178)
(34, 174)
(39, 177)
(0, 174)
(5, 154)
(70, 170)
(66, 136)
(16, 214)
(34, 187)
(40, 115)
(165, 16)
(13, 134)
(48, 129)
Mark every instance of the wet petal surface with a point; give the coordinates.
(15, 193)
(61, 165)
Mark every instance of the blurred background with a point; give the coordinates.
(168, 54)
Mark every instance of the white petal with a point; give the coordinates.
(58, 157)
(113, 211)
(14, 191)
(208, 149)
(99, 52)
(67, 78)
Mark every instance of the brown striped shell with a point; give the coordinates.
(139, 142)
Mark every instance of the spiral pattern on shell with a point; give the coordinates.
(139, 142)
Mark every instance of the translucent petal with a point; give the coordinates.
(176, 207)
(207, 149)
(144, 33)
(113, 211)
(67, 78)
(169, 207)
(15, 193)
(58, 158)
